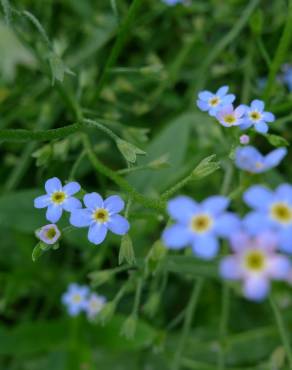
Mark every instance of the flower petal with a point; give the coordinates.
(54, 213)
(203, 105)
(239, 111)
(80, 218)
(114, 204)
(285, 240)
(205, 95)
(205, 247)
(259, 105)
(258, 197)
(261, 127)
(176, 236)
(239, 240)
(71, 203)
(274, 158)
(53, 184)
(71, 188)
(118, 224)
(222, 91)
(268, 117)
(256, 222)
(182, 208)
(215, 204)
(97, 233)
(42, 202)
(228, 99)
(93, 200)
(256, 288)
(226, 224)
(284, 192)
(279, 267)
(229, 268)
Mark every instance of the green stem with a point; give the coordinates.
(282, 330)
(280, 54)
(76, 165)
(137, 297)
(223, 325)
(118, 46)
(190, 310)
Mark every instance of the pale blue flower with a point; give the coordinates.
(100, 216)
(228, 116)
(94, 305)
(49, 234)
(251, 160)
(199, 224)
(257, 117)
(75, 299)
(172, 2)
(214, 102)
(272, 211)
(255, 262)
(58, 198)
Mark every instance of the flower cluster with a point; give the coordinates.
(98, 215)
(220, 106)
(78, 298)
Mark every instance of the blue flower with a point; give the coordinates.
(100, 216)
(94, 305)
(287, 76)
(199, 225)
(251, 160)
(255, 262)
(49, 234)
(228, 116)
(172, 2)
(272, 211)
(257, 117)
(75, 299)
(213, 102)
(58, 198)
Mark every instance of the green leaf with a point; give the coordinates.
(206, 167)
(277, 141)
(39, 249)
(128, 150)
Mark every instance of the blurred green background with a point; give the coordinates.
(52, 55)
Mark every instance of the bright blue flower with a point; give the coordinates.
(214, 102)
(255, 262)
(49, 234)
(228, 116)
(199, 225)
(172, 2)
(272, 211)
(257, 117)
(58, 198)
(94, 305)
(100, 216)
(75, 299)
(248, 158)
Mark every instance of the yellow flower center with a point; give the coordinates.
(101, 215)
(76, 298)
(281, 212)
(51, 233)
(201, 223)
(58, 197)
(214, 101)
(255, 260)
(259, 165)
(255, 116)
(229, 119)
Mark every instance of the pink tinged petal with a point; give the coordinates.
(222, 91)
(258, 197)
(53, 185)
(239, 111)
(205, 95)
(93, 200)
(239, 241)
(71, 203)
(268, 117)
(176, 237)
(230, 268)
(203, 105)
(267, 240)
(80, 218)
(256, 288)
(226, 109)
(118, 224)
(205, 247)
(54, 213)
(261, 127)
(71, 188)
(257, 105)
(97, 233)
(279, 267)
(226, 224)
(215, 204)
(114, 204)
(42, 202)
(182, 208)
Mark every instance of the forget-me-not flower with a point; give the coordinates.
(255, 262)
(75, 299)
(272, 211)
(199, 224)
(228, 116)
(100, 216)
(244, 139)
(213, 102)
(248, 158)
(287, 76)
(257, 117)
(172, 2)
(49, 234)
(94, 305)
(58, 198)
